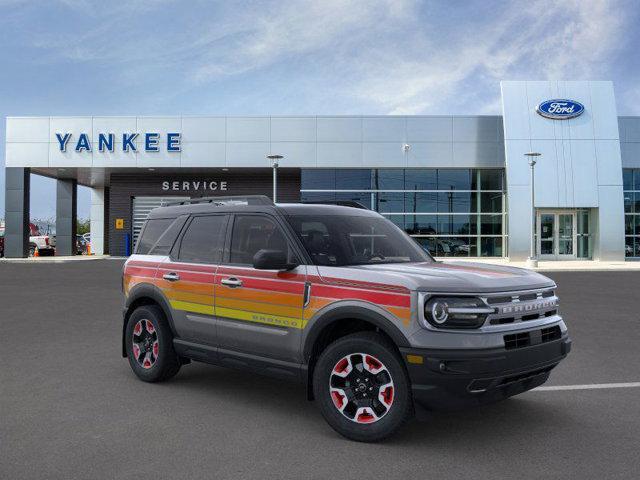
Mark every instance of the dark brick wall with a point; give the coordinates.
(123, 187)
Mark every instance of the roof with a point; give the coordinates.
(258, 207)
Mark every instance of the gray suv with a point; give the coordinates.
(338, 298)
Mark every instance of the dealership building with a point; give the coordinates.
(461, 185)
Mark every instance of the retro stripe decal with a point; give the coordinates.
(272, 298)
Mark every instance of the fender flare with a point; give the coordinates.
(357, 313)
(145, 290)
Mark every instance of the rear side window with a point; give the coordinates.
(203, 240)
(151, 233)
(168, 238)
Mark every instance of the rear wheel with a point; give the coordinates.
(362, 388)
(149, 345)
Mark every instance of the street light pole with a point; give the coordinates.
(274, 163)
(532, 261)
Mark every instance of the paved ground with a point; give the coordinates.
(71, 408)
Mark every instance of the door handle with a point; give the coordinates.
(231, 282)
(172, 277)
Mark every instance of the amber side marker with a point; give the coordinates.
(417, 359)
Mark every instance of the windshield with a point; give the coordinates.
(341, 240)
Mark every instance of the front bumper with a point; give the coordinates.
(450, 379)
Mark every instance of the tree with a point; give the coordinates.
(84, 226)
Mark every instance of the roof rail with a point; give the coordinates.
(341, 203)
(232, 200)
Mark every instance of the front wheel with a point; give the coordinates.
(362, 387)
(149, 345)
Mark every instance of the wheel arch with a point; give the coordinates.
(144, 294)
(339, 322)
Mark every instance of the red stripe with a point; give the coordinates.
(140, 271)
(196, 277)
(262, 284)
(228, 270)
(359, 284)
(389, 299)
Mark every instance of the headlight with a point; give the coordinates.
(456, 312)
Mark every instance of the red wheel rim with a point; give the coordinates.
(361, 388)
(146, 346)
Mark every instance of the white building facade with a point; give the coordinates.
(459, 184)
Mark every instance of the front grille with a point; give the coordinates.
(522, 306)
(534, 337)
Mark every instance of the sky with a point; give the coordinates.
(161, 57)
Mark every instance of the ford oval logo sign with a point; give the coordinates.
(560, 109)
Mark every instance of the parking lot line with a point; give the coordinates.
(591, 386)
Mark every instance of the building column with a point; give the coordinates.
(66, 217)
(17, 191)
(97, 221)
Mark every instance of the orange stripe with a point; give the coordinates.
(278, 298)
(187, 287)
(189, 297)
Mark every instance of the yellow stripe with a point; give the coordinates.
(192, 307)
(259, 307)
(239, 314)
(260, 318)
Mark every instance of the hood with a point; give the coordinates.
(460, 277)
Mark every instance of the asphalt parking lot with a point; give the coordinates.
(71, 408)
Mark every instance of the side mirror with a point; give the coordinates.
(272, 260)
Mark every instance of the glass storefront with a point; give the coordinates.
(451, 212)
(631, 182)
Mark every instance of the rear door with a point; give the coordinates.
(259, 311)
(187, 277)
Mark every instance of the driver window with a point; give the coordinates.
(252, 233)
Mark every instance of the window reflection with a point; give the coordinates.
(451, 212)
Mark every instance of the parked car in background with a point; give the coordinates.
(43, 243)
(1, 241)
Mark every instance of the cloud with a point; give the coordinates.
(391, 56)
(540, 40)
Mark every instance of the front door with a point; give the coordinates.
(556, 235)
(259, 312)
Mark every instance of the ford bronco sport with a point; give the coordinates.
(340, 299)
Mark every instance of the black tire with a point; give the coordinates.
(166, 363)
(401, 407)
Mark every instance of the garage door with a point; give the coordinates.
(141, 208)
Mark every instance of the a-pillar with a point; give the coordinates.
(16, 234)
(66, 217)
